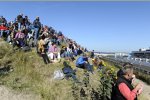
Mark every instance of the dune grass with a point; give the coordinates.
(31, 75)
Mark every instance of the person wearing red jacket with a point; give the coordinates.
(123, 89)
(3, 29)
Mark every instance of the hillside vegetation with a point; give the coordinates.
(26, 72)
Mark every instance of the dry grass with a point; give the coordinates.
(32, 75)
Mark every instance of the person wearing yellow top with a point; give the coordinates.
(41, 44)
(41, 49)
(97, 63)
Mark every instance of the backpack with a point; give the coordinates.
(58, 74)
(66, 70)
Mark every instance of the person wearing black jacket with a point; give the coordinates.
(26, 21)
(123, 89)
(37, 27)
(3, 20)
(20, 20)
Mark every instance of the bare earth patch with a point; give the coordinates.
(146, 91)
(8, 94)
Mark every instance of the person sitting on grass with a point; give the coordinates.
(19, 38)
(69, 72)
(101, 63)
(3, 29)
(82, 62)
(97, 63)
(53, 52)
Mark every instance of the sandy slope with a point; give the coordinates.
(7, 94)
(146, 90)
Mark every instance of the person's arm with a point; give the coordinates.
(55, 50)
(81, 61)
(49, 49)
(40, 25)
(4, 28)
(23, 35)
(125, 91)
(103, 63)
(16, 36)
(34, 23)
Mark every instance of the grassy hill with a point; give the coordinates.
(31, 74)
(26, 72)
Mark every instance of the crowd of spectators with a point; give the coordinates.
(50, 43)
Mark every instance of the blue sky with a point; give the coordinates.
(102, 26)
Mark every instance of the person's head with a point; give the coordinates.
(96, 58)
(85, 56)
(37, 18)
(53, 44)
(43, 37)
(63, 47)
(128, 71)
(2, 24)
(66, 64)
(26, 16)
(19, 30)
(21, 14)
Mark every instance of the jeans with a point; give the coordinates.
(67, 54)
(18, 43)
(89, 67)
(62, 55)
(71, 75)
(86, 66)
(8, 38)
(75, 52)
(2, 32)
(19, 25)
(36, 35)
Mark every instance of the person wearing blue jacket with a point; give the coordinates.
(82, 62)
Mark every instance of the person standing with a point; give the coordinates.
(37, 27)
(42, 51)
